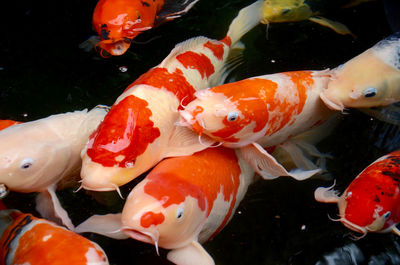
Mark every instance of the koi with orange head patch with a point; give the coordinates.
(260, 112)
(25, 239)
(140, 129)
(371, 79)
(371, 201)
(118, 22)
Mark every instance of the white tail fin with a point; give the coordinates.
(248, 18)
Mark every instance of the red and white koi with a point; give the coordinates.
(260, 112)
(140, 129)
(119, 21)
(50, 152)
(371, 79)
(7, 123)
(25, 239)
(371, 203)
(182, 202)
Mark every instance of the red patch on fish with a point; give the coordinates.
(227, 40)
(201, 176)
(7, 123)
(377, 187)
(174, 82)
(124, 134)
(150, 218)
(217, 49)
(200, 62)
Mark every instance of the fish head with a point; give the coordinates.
(29, 160)
(366, 207)
(274, 11)
(164, 213)
(125, 145)
(225, 118)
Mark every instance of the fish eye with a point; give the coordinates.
(232, 116)
(26, 163)
(370, 92)
(386, 215)
(179, 213)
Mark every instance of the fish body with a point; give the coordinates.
(279, 11)
(139, 129)
(371, 79)
(184, 201)
(371, 201)
(117, 22)
(262, 111)
(25, 239)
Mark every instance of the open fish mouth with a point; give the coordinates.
(354, 227)
(140, 236)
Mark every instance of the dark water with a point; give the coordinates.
(44, 72)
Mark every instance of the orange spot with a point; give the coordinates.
(150, 218)
(196, 126)
(200, 62)
(227, 40)
(126, 132)
(173, 82)
(202, 176)
(7, 123)
(217, 49)
(44, 243)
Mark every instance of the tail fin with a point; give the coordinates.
(248, 18)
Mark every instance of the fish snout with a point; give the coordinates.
(331, 101)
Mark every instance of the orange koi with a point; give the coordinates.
(117, 22)
(182, 202)
(260, 112)
(371, 201)
(25, 239)
(7, 123)
(139, 129)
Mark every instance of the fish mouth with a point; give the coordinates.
(354, 227)
(334, 105)
(115, 47)
(147, 237)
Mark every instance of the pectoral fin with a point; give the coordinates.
(326, 194)
(267, 166)
(334, 25)
(192, 254)
(185, 141)
(49, 207)
(395, 230)
(108, 225)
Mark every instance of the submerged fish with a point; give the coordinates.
(7, 123)
(370, 79)
(139, 129)
(278, 11)
(182, 202)
(36, 155)
(260, 112)
(371, 202)
(119, 21)
(25, 239)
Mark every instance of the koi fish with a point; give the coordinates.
(260, 112)
(139, 129)
(278, 11)
(50, 152)
(182, 202)
(371, 79)
(25, 239)
(118, 22)
(7, 123)
(371, 201)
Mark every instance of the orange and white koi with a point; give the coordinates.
(119, 21)
(372, 200)
(260, 112)
(50, 151)
(371, 79)
(182, 202)
(25, 239)
(139, 129)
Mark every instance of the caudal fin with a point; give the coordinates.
(248, 18)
